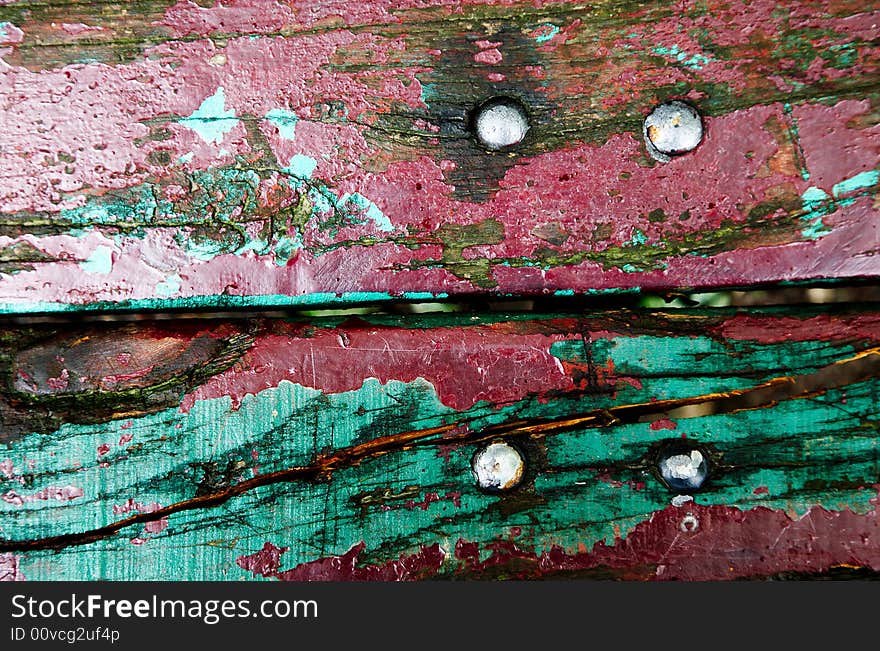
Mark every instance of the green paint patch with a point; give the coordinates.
(99, 262)
(545, 32)
(817, 204)
(692, 61)
(169, 286)
(212, 121)
(638, 238)
(301, 166)
(285, 121)
(428, 92)
(858, 182)
(792, 457)
(370, 210)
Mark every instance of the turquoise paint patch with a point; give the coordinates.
(692, 61)
(857, 182)
(428, 92)
(217, 301)
(546, 32)
(814, 196)
(817, 204)
(99, 262)
(301, 166)
(139, 205)
(805, 173)
(285, 121)
(169, 286)
(285, 247)
(638, 237)
(212, 121)
(370, 209)
(204, 250)
(564, 292)
(422, 296)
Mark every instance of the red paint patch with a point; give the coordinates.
(465, 365)
(663, 423)
(344, 568)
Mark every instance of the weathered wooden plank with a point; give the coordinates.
(342, 448)
(161, 154)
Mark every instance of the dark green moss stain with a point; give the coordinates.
(455, 240)
(216, 476)
(453, 98)
(21, 256)
(21, 409)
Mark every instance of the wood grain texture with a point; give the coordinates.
(254, 152)
(341, 449)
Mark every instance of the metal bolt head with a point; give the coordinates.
(498, 467)
(683, 470)
(499, 123)
(689, 523)
(672, 129)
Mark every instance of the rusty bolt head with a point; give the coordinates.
(683, 470)
(672, 129)
(499, 123)
(498, 467)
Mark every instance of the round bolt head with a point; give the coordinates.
(500, 123)
(683, 470)
(498, 467)
(672, 129)
(689, 523)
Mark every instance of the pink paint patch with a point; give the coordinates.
(59, 383)
(11, 35)
(156, 526)
(7, 468)
(490, 57)
(75, 29)
(103, 449)
(125, 438)
(761, 490)
(10, 568)
(138, 507)
(496, 76)
(60, 494)
(663, 423)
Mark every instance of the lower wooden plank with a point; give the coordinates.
(342, 448)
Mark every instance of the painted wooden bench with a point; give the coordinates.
(214, 216)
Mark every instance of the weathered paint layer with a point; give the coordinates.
(389, 412)
(235, 151)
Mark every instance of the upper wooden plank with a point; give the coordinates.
(161, 153)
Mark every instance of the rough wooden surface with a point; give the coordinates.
(341, 449)
(159, 153)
